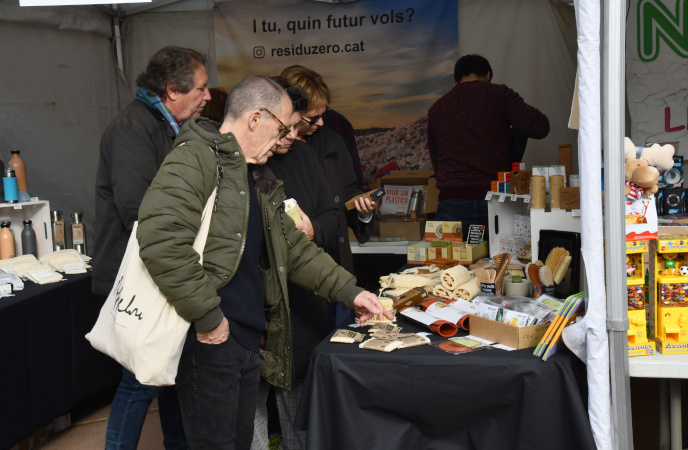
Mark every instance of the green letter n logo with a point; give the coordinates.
(655, 21)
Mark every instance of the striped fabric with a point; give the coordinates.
(156, 102)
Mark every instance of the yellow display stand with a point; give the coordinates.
(638, 342)
(671, 294)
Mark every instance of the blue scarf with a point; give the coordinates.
(155, 102)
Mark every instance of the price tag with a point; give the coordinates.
(17, 206)
(575, 213)
(502, 197)
(514, 197)
(526, 198)
(488, 196)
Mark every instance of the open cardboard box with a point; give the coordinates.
(468, 254)
(392, 226)
(509, 335)
(413, 178)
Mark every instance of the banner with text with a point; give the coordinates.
(385, 61)
(656, 52)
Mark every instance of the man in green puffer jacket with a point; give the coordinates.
(252, 250)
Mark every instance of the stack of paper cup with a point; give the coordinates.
(292, 210)
(537, 194)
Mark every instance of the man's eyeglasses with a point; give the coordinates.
(284, 130)
(298, 100)
(313, 120)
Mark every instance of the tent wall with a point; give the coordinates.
(531, 46)
(145, 33)
(65, 88)
(59, 91)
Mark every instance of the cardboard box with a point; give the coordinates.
(566, 159)
(440, 230)
(413, 178)
(416, 253)
(520, 182)
(395, 227)
(433, 196)
(558, 170)
(509, 335)
(396, 199)
(494, 186)
(438, 252)
(468, 254)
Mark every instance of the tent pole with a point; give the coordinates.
(118, 39)
(613, 98)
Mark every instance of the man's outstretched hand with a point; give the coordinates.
(368, 305)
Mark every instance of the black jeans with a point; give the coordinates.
(218, 389)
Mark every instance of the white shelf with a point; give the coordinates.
(381, 249)
(658, 366)
(38, 212)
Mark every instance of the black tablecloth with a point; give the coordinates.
(47, 364)
(424, 398)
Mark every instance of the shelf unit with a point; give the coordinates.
(38, 212)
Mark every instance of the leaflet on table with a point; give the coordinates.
(464, 306)
(442, 327)
(445, 312)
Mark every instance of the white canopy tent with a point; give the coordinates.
(62, 86)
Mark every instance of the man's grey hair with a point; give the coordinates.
(255, 92)
(174, 66)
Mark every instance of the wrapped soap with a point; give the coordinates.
(346, 337)
(381, 345)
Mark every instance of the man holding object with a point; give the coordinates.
(253, 249)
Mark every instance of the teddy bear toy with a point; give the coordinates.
(641, 173)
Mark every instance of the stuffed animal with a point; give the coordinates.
(641, 174)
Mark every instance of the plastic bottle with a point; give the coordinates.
(78, 232)
(58, 230)
(28, 238)
(6, 241)
(17, 164)
(9, 182)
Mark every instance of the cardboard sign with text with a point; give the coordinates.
(396, 199)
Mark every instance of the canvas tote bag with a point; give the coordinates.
(137, 326)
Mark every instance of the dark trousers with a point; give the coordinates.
(129, 409)
(218, 389)
(468, 211)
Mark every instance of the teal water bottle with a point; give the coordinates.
(9, 182)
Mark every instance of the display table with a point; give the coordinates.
(424, 398)
(385, 249)
(669, 369)
(48, 365)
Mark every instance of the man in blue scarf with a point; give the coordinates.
(171, 90)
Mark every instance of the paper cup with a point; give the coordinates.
(537, 195)
(556, 182)
(292, 210)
